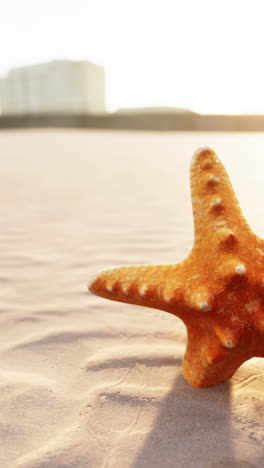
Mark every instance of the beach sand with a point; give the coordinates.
(87, 382)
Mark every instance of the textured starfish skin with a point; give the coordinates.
(218, 291)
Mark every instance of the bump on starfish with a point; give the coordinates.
(218, 291)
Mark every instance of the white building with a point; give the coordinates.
(56, 87)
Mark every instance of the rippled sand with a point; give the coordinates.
(87, 382)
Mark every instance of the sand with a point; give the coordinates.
(87, 382)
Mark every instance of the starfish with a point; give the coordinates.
(217, 291)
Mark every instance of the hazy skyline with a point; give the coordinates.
(207, 56)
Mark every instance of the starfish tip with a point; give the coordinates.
(203, 154)
(90, 283)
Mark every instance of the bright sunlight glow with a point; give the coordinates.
(202, 55)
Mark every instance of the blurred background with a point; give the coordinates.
(160, 64)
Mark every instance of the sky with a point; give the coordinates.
(206, 55)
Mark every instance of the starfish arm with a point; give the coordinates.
(217, 216)
(155, 286)
(211, 359)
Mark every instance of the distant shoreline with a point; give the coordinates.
(137, 121)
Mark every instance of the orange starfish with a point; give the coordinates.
(217, 291)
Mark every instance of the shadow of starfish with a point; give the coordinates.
(200, 417)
